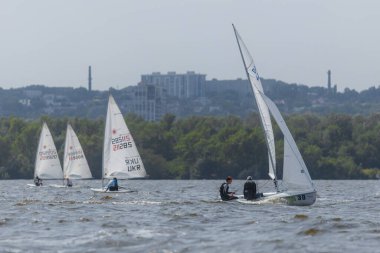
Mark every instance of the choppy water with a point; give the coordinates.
(186, 216)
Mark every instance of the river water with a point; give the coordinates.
(186, 216)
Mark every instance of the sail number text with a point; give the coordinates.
(122, 146)
(121, 142)
(133, 164)
(301, 197)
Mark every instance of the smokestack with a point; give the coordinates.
(329, 80)
(89, 79)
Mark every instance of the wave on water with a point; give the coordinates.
(3, 221)
(343, 219)
(301, 216)
(25, 202)
(189, 187)
(184, 215)
(138, 202)
(311, 231)
(211, 201)
(93, 201)
(262, 201)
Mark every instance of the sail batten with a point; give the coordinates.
(121, 158)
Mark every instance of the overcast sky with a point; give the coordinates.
(52, 42)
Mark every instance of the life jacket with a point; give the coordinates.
(223, 190)
(37, 181)
(113, 186)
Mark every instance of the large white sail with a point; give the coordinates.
(254, 79)
(47, 165)
(295, 173)
(75, 164)
(121, 158)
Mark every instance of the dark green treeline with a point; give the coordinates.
(333, 147)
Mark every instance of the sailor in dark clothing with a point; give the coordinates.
(69, 183)
(249, 189)
(112, 185)
(38, 181)
(225, 194)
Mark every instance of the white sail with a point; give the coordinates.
(47, 165)
(295, 173)
(120, 156)
(75, 164)
(254, 79)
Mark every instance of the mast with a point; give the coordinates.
(271, 159)
(64, 153)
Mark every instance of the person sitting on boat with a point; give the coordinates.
(112, 185)
(225, 194)
(69, 183)
(38, 181)
(249, 189)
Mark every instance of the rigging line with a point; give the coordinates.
(259, 185)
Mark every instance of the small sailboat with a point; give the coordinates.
(296, 186)
(75, 165)
(121, 158)
(47, 164)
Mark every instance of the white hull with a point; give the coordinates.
(33, 185)
(291, 198)
(301, 199)
(102, 190)
(57, 185)
(60, 186)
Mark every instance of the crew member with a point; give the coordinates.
(69, 183)
(225, 194)
(38, 181)
(249, 189)
(112, 185)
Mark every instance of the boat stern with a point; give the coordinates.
(302, 199)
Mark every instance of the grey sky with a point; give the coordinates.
(52, 42)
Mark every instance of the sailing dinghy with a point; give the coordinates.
(75, 165)
(296, 186)
(121, 158)
(47, 165)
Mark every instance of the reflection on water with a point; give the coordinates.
(186, 216)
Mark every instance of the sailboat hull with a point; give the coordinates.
(291, 198)
(33, 185)
(102, 190)
(58, 186)
(301, 199)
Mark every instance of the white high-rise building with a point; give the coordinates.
(188, 85)
(147, 101)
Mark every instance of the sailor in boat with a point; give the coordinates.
(112, 185)
(69, 183)
(38, 181)
(250, 189)
(225, 194)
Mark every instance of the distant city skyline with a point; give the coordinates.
(54, 42)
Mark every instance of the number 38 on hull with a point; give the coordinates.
(304, 199)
